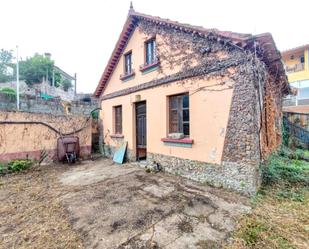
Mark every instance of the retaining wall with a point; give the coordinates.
(30, 140)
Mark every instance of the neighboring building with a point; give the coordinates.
(297, 69)
(202, 103)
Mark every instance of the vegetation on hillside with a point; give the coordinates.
(32, 70)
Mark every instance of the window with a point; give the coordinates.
(128, 63)
(118, 119)
(151, 51)
(179, 114)
(302, 59)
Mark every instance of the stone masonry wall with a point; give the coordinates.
(241, 143)
(38, 105)
(235, 176)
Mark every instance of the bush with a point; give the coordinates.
(281, 169)
(19, 164)
(95, 115)
(2, 168)
(10, 92)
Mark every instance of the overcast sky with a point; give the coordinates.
(81, 34)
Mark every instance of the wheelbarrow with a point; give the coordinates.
(68, 149)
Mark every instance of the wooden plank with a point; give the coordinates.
(120, 153)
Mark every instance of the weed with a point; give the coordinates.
(19, 164)
(297, 195)
(251, 233)
(148, 170)
(185, 225)
(2, 168)
(281, 169)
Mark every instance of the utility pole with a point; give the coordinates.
(75, 85)
(17, 79)
(53, 80)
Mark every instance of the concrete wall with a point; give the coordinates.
(28, 140)
(300, 75)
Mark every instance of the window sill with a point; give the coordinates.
(146, 68)
(184, 142)
(126, 77)
(117, 136)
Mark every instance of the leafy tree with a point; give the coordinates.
(34, 69)
(66, 84)
(6, 57)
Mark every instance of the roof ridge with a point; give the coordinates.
(202, 29)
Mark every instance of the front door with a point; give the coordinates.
(141, 131)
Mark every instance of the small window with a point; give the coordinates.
(128, 63)
(151, 51)
(179, 117)
(302, 59)
(118, 119)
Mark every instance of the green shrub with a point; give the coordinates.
(2, 168)
(95, 115)
(19, 164)
(282, 169)
(297, 195)
(9, 92)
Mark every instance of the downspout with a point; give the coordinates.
(260, 98)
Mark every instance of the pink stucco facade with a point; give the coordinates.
(209, 109)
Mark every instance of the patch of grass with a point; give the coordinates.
(280, 213)
(283, 170)
(297, 195)
(252, 231)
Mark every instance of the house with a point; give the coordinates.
(297, 69)
(202, 103)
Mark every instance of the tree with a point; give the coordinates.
(34, 69)
(66, 84)
(6, 57)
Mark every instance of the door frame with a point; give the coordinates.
(141, 153)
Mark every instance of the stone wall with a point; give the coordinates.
(30, 140)
(240, 177)
(38, 105)
(43, 87)
(241, 143)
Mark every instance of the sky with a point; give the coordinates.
(81, 34)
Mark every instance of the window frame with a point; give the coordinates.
(117, 123)
(180, 117)
(153, 51)
(129, 53)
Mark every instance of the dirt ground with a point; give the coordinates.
(98, 204)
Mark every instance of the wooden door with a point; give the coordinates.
(141, 130)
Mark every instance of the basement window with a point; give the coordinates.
(179, 118)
